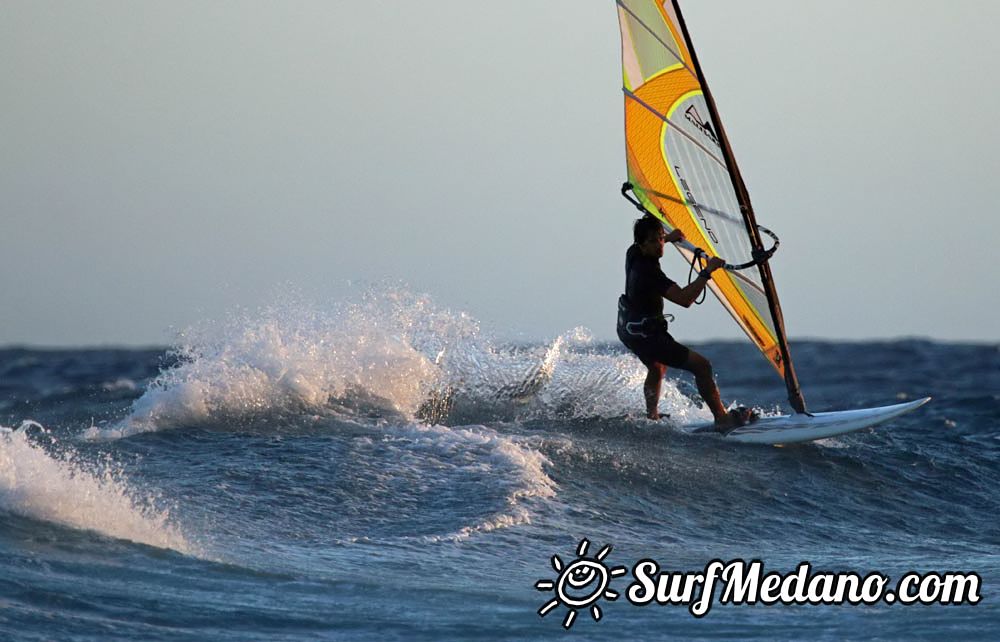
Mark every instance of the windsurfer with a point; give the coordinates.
(643, 328)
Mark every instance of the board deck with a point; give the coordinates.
(789, 429)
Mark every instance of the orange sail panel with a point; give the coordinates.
(677, 163)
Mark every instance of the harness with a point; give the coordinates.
(643, 326)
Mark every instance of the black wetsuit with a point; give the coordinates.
(641, 325)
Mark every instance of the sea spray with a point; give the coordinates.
(66, 490)
(388, 353)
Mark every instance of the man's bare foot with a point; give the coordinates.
(735, 418)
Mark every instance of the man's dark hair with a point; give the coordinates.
(645, 227)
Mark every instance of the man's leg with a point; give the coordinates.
(652, 389)
(701, 368)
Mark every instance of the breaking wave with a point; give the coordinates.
(65, 490)
(391, 355)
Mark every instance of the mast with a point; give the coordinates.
(795, 397)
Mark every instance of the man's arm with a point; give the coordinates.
(685, 296)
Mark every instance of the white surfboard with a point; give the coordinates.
(789, 429)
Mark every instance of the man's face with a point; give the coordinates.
(654, 244)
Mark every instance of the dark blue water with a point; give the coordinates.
(385, 471)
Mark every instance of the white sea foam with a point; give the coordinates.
(392, 352)
(122, 383)
(65, 491)
(295, 358)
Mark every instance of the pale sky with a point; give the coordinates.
(163, 162)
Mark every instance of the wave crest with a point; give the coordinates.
(64, 490)
(393, 354)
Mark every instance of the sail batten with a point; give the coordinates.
(677, 127)
(682, 170)
(653, 33)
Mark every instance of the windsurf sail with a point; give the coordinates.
(681, 169)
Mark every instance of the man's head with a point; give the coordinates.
(649, 235)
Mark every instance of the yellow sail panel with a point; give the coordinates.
(676, 161)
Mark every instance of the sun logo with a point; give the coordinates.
(581, 584)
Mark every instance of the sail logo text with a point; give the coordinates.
(693, 204)
(703, 125)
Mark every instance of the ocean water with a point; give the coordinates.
(383, 469)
